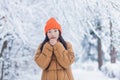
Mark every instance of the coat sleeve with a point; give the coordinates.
(64, 57)
(43, 58)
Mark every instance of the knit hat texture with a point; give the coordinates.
(52, 24)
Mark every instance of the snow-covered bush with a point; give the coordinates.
(112, 70)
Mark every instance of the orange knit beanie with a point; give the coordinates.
(52, 24)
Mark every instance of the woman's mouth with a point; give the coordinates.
(53, 37)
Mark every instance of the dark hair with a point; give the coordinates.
(60, 39)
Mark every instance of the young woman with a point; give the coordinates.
(54, 55)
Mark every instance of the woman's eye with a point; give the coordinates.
(55, 31)
(49, 31)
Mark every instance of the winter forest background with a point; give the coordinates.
(92, 26)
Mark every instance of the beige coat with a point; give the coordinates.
(55, 61)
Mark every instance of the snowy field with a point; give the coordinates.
(89, 71)
(85, 75)
(83, 22)
(89, 75)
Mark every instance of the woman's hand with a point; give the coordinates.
(52, 41)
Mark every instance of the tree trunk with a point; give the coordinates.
(113, 55)
(100, 62)
(112, 48)
(4, 46)
(2, 71)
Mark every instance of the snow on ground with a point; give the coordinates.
(80, 74)
(87, 71)
(89, 75)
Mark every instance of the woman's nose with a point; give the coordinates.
(52, 33)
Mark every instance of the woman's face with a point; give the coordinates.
(53, 34)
